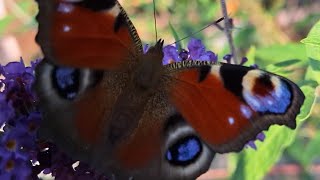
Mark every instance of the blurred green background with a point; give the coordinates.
(268, 32)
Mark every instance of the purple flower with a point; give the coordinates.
(171, 55)
(12, 167)
(196, 48)
(6, 109)
(31, 123)
(184, 54)
(209, 56)
(260, 137)
(12, 139)
(196, 52)
(13, 69)
(243, 60)
(252, 145)
(227, 57)
(255, 66)
(145, 48)
(19, 144)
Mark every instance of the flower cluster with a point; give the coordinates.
(22, 154)
(196, 51)
(19, 120)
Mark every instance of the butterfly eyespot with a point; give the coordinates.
(184, 151)
(266, 93)
(66, 81)
(64, 84)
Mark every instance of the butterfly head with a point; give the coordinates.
(150, 69)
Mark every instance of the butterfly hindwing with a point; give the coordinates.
(228, 105)
(86, 34)
(163, 148)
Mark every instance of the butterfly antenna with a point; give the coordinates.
(155, 19)
(215, 23)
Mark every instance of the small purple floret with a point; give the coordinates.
(261, 136)
(196, 48)
(252, 145)
(171, 55)
(184, 54)
(227, 57)
(243, 60)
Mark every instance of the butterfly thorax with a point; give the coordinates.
(131, 103)
(150, 68)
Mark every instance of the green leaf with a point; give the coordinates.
(176, 36)
(295, 149)
(315, 64)
(313, 71)
(251, 56)
(310, 150)
(287, 63)
(4, 23)
(294, 69)
(258, 162)
(310, 99)
(279, 53)
(239, 171)
(312, 42)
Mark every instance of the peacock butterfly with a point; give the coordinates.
(107, 103)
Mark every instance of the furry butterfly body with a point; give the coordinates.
(106, 103)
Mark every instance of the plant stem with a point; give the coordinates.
(227, 30)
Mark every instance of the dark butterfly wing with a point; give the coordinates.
(75, 101)
(228, 105)
(164, 146)
(86, 34)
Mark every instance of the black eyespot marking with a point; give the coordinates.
(66, 82)
(203, 72)
(97, 77)
(119, 22)
(185, 151)
(98, 5)
(173, 121)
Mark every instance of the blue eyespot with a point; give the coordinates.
(277, 100)
(184, 151)
(66, 81)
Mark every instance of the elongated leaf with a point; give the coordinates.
(176, 36)
(251, 56)
(279, 53)
(312, 42)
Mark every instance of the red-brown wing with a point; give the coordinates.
(163, 146)
(87, 34)
(228, 105)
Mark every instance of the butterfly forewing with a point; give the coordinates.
(80, 35)
(77, 38)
